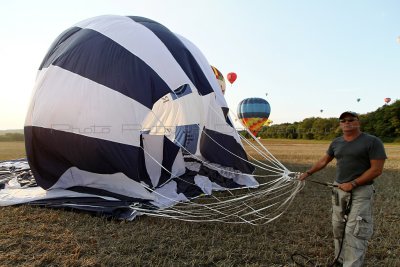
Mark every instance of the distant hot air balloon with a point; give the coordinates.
(231, 77)
(358, 99)
(387, 100)
(220, 78)
(398, 39)
(253, 113)
(321, 110)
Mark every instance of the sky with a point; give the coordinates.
(302, 56)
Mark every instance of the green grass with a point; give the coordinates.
(32, 236)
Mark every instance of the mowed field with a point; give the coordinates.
(31, 236)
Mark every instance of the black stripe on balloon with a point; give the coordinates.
(217, 178)
(105, 193)
(51, 152)
(93, 205)
(58, 46)
(213, 175)
(170, 151)
(96, 200)
(225, 110)
(215, 147)
(253, 115)
(228, 121)
(181, 54)
(186, 185)
(94, 56)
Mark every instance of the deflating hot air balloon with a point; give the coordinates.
(387, 100)
(220, 78)
(231, 77)
(123, 106)
(253, 113)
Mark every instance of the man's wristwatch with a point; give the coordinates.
(354, 183)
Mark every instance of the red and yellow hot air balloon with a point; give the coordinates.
(220, 78)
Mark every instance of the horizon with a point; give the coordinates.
(241, 127)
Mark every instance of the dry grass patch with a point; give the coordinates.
(32, 236)
(12, 150)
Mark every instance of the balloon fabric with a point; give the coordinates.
(107, 117)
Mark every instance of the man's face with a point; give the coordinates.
(349, 123)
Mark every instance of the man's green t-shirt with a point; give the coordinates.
(353, 157)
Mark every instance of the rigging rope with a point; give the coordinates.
(255, 206)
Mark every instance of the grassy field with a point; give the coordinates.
(43, 237)
(12, 150)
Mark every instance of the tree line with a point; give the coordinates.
(383, 123)
(11, 137)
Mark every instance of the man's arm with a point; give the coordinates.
(320, 164)
(374, 171)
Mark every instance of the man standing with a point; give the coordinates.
(359, 160)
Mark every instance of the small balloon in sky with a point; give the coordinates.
(358, 99)
(398, 39)
(232, 76)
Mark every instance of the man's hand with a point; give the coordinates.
(303, 176)
(347, 187)
(320, 164)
